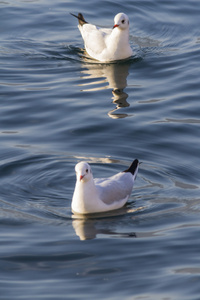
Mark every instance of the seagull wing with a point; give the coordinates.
(94, 37)
(115, 188)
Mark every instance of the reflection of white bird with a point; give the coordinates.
(102, 194)
(106, 44)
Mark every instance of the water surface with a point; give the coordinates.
(59, 107)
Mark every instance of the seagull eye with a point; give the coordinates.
(86, 170)
(123, 21)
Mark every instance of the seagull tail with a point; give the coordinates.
(133, 167)
(80, 18)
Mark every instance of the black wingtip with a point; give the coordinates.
(133, 167)
(80, 18)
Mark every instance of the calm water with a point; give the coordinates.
(58, 107)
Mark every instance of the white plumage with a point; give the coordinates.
(102, 194)
(105, 44)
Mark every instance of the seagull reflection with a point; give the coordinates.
(108, 76)
(87, 228)
(119, 98)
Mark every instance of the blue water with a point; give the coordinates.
(58, 107)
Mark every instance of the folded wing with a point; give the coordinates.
(94, 37)
(115, 188)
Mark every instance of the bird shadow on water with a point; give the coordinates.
(112, 76)
(88, 226)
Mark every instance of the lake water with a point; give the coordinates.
(59, 107)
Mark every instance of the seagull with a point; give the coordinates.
(101, 194)
(105, 44)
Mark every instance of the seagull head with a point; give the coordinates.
(83, 171)
(121, 21)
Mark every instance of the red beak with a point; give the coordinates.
(116, 25)
(81, 177)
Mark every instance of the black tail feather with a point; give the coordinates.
(133, 167)
(80, 18)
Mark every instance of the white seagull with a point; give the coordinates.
(105, 44)
(102, 194)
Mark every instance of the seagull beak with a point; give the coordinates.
(81, 177)
(116, 25)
